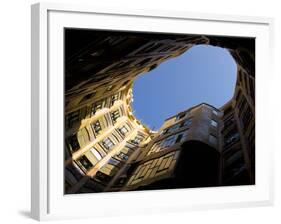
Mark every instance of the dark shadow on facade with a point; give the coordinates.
(198, 166)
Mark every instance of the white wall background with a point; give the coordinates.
(15, 110)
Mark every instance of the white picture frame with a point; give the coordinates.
(48, 201)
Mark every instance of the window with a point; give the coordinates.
(72, 118)
(73, 141)
(165, 131)
(231, 139)
(180, 116)
(123, 156)
(187, 122)
(137, 140)
(168, 142)
(215, 112)
(174, 128)
(96, 153)
(214, 123)
(96, 127)
(107, 143)
(114, 98)
(101, 177)
(171, 140)
(213, 139)
(115, 115)
(97, 106)
(85, 162)
(179, 137)
(114, 162)
(123, 130)
(171, 129)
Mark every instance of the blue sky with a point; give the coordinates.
(202, 74)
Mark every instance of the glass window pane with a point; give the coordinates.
(214, 123)
(96, 153)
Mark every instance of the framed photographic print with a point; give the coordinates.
(148, 111)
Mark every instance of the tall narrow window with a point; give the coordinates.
(97, 106)
(179, 137)
(123, 130)
(96, 153)
(96, 127)
(114, 98)
(214, 123)
(73, 142)
(108, 143)
(115, 115)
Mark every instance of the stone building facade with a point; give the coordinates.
(108, 149)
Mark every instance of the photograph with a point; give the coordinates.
(157, 111)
